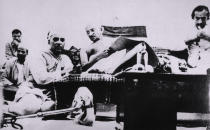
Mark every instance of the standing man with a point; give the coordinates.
(199, 41)
(11, 48)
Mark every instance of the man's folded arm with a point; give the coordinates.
(95, 59)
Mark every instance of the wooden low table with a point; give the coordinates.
(153, 100)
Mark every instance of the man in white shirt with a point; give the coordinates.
(51, 66)
(199, 41)
(16, 70)
(45, 68)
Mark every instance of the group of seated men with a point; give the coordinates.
(29, 76)
(52, 65)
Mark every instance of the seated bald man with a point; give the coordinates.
(111, 55)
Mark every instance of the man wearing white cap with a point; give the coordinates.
(51, 66)
(47, 67)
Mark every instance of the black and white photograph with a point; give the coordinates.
(104, 65)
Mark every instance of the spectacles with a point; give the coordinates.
(56, 39)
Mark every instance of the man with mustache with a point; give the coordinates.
(45, 68)
(49, 67)
(11, 48)
(198, 41)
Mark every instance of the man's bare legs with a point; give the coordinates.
(140, 50)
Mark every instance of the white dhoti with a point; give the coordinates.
(107, 64)
(29, 100)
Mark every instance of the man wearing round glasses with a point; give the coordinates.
(11, 48)
(57, 43)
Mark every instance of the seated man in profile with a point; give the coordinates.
(110, 56)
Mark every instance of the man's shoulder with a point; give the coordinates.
(63, 56)
(44, 54)
(11, 61)
(8, 44)
(37, 56)
(105, 42)
(66, 60)
(207, 28)
(109, 40)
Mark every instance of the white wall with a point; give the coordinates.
(167, 21)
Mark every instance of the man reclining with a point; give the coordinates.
(112, 56)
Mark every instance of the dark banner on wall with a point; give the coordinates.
(129, 31)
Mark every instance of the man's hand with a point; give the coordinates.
(95, 59)
(192, 41)
(16, 42)
(203, 35)
(65, 74)
(102, 55)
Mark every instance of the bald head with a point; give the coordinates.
(94, 32)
